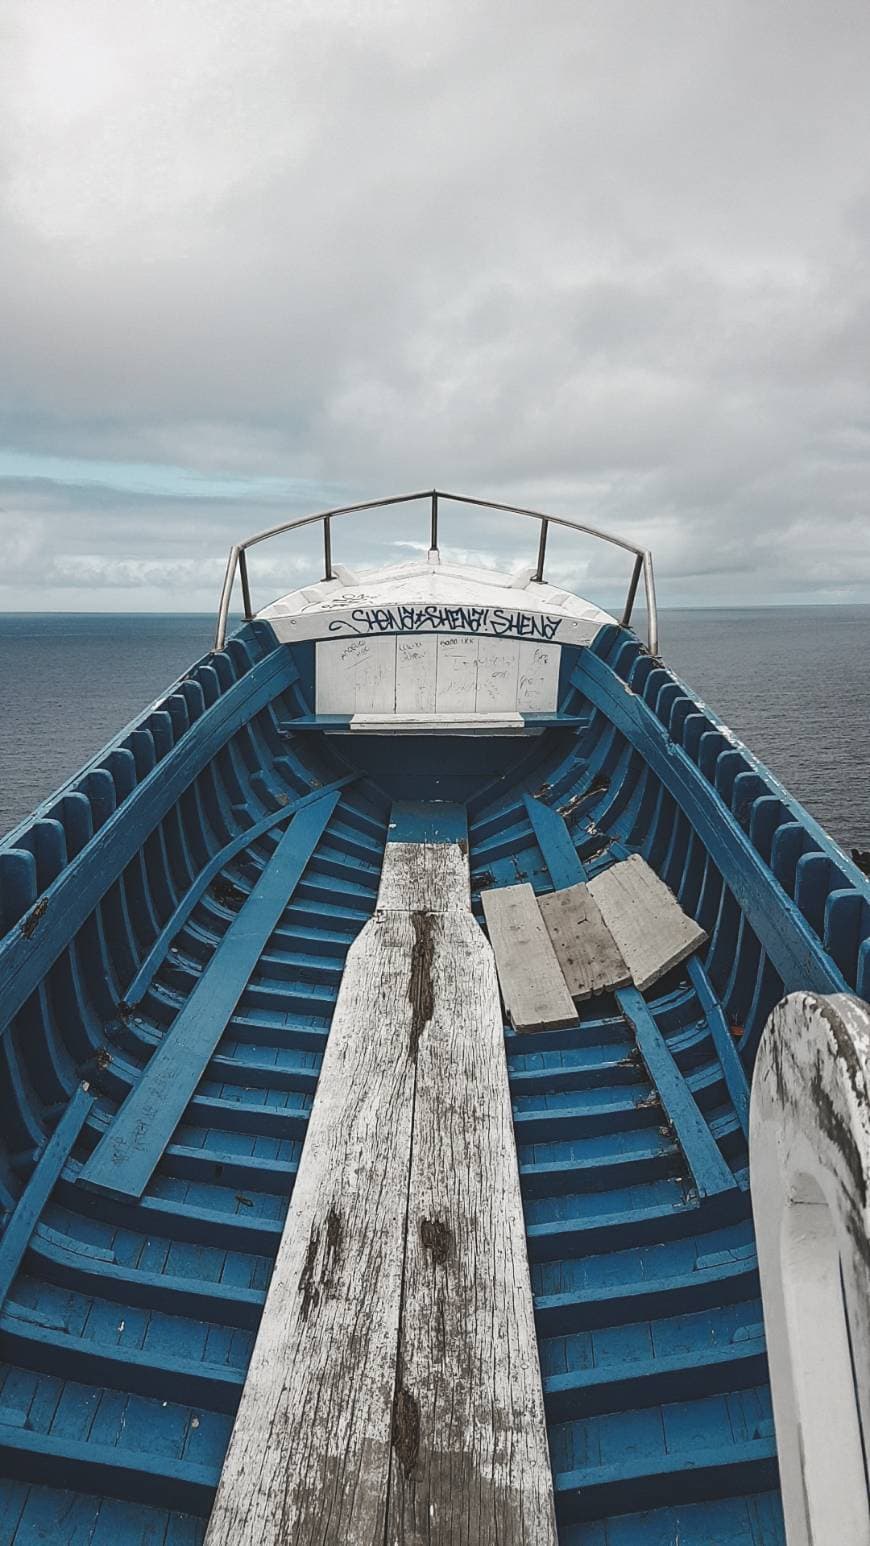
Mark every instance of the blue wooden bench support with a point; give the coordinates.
(25, 1216)
(726, 1051)
(44, 933)
(710, 1171)
(125, 1158)
(157, 953)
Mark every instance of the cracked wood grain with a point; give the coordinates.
(394, 1394)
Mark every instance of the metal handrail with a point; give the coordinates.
(237, 560)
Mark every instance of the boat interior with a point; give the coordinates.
(228, 849)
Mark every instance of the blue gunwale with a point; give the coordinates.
(645, 1283)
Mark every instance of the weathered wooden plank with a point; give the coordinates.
(502, 722)
(470, 1462)
(645, 918)
(359, 1423)
(125, 1158)
(710, 1171)
(309, 1456)
(585, 948)
(532, 985)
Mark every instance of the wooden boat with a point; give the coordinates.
(304, 933)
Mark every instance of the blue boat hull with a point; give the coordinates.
(127, 1321)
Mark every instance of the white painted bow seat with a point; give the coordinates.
(434, 648)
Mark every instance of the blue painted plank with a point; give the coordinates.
(30, 949)
(709, 1169)
(797, 954)
(641, 1483)
(188, 902)
(429, 821)
(20, 1227)
(726, 1051)
(125, 1158)
(554, 841)
(83, 1466)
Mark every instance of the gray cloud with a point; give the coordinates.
(608, 258)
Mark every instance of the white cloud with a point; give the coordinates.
(607, 257)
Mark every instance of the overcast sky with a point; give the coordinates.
(259, 256)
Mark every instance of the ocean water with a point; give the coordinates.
(792, 682)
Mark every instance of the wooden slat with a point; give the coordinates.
(125, 1158)
(554, 841)
(309, 1456)
(470, 1462)
(362, 1422)
(645, 918)
(584, 946)
(710, 1172)
(532, 984)
(25, 1216)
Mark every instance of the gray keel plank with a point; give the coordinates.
(585, 948)
(341, 1437)
(470, 1462)
(124, 1160)
(309, 1457)
(645, 918)
(533, 987)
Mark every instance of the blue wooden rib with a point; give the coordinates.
(124, 1161)
(709, 1170)
(19, 1228)
(796, 952)
(732, 1068)
(28, 951)
(158, 950)
(101, 1468)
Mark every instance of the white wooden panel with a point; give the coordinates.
(438, 724)
(416, 665)
(497, 668)
(645, 918)
(355, 675)
(584, 946)
(538, 678)
(456, 687)
(532, 985)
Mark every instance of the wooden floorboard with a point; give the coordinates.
(585, 948)
(646, 920)
(470, 1464)
(532, 985)
(394, 1393)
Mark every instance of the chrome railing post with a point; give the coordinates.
(433, 530)
(542, 551)
(632, 590)
(327, 549)
(246, 591)
(652, 620)
(226, 593)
